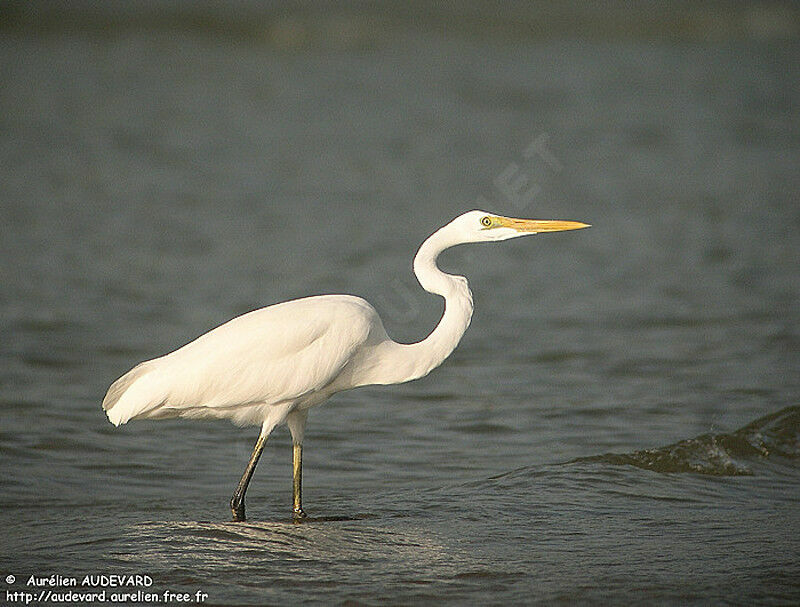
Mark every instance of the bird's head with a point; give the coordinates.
(481, 226)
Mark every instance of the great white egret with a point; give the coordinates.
(271, 365)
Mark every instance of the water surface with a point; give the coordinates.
(620, 422)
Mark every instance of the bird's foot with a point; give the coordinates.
(237, 509)
(298, 515)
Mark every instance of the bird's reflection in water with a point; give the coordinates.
(206, 548)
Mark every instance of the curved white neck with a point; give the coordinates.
(417, 360)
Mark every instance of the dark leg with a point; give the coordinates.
(237, 501)
(297, 485)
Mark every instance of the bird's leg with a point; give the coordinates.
(297, 485)
(237, 501)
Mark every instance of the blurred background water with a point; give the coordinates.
(620, 424)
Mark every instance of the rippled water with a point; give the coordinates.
(620, 424)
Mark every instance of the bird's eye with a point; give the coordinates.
(486, 221)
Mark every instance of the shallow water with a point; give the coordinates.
(620, 423)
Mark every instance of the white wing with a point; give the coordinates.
(273, 355)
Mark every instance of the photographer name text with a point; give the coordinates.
(90, 581)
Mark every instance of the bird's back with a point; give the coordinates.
(278, 354)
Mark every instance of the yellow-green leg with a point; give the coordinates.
(297, 485)
(237, 501)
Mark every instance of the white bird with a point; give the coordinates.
(271, 365)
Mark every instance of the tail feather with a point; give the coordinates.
(130, 395)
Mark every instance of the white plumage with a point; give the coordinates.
(271, 365)
(286, 353)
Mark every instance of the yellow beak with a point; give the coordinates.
(534, 226)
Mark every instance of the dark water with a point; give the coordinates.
(619, 425)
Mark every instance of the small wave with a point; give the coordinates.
(777, 434)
